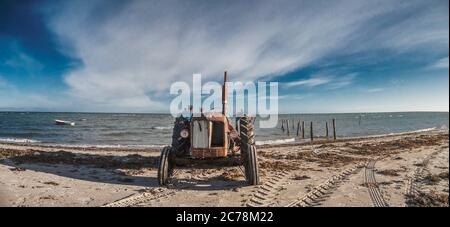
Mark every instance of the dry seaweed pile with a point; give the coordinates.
(63, 157)
(293, 161)
(338, 154)
(301, 177)
(9, 153)
(431, 199)
(390, 172)
(433, 179)
(396, 146)
(231, 175)
(278, 165)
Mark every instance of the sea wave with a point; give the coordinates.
(394, 133)
(19, 134)
(278, 141)
(108, 146)
(414, 131)
(162, 127)
(13, 140)
(119, 134)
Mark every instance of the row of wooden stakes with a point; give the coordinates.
(301, 128)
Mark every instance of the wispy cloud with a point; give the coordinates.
(441, 64)
(343, 81)
(328, 81)
(3, 82)
(311, 82)
(292, 97)
(141, 47)
(24, 62)
(374, 90)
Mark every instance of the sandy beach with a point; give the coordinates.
(408, 169)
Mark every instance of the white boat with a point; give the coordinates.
(61, 122)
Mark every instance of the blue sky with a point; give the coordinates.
(122, 56)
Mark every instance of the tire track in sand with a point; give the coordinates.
(370, 182)
(142, 197)
(319, 193)
(412, 188)
(267, 193)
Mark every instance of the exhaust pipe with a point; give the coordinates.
(224, 94)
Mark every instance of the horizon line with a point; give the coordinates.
(100, 112)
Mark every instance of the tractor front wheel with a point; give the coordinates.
(164, 166)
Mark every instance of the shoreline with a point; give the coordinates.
(292, 141)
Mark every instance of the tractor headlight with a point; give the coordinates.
(184, 133)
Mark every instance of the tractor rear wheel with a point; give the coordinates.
(164, 166)
(247, 133)
(251, 166)
(248, 150)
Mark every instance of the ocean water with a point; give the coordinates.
(113, 129)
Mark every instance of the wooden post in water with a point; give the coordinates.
(238, 126)
(282, 125)
(311, 131)
(303, 129)
(326, 129)
(298, 127)
(287, 127)
(334, 129)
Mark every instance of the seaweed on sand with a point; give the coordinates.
(133, 161)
